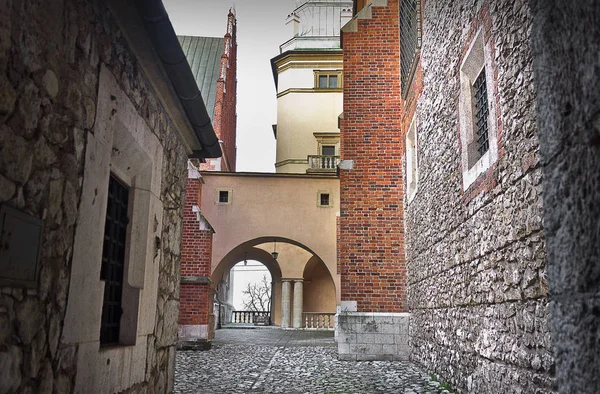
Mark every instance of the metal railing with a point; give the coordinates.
(318, 320)
(251, 317)
(323, 163)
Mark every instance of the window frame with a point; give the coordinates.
(408, 70)
(319, 199)
(478, 58)
(218, 192)
(109, 334)
(328, 73)
(412, 166)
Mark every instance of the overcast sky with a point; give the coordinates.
(261, 29)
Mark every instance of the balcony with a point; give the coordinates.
(318, 320)
(322, 163)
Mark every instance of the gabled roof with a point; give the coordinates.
(204, 56)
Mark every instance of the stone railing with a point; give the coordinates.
(251, 317)
(323, 163)
(318, 320)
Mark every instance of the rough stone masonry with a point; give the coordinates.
(51, 53)
(478, 291)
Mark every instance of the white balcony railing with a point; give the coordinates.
(323, 163)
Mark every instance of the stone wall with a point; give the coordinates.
(567, 70)
(50, 58)
(476, 257)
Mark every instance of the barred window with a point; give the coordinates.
(410, 40)
(113, 260)
(481, 113)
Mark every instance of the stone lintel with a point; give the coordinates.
(196, 279)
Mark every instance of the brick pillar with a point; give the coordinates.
(371, 232)
(196, 325)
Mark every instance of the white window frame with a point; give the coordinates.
(477, 57)
(412, 160)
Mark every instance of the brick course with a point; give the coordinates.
(225, 117)
(196, 252)
(371, 240)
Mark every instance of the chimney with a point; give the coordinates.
(345, 16)
(294, 20)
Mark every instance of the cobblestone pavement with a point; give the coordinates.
(270, 360)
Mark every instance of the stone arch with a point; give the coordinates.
(319, 288)
(251, 250)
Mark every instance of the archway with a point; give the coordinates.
(319, 301)
(290, 266)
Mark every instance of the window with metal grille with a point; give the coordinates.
(324, 197)
(113, 260)
(481, 113)
(410, 40)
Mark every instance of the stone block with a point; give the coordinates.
(343, 348)
(372, 357)
(347, 357)
(401, 339)
(365, 338)
(385, 339)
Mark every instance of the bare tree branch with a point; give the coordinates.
(257, 296)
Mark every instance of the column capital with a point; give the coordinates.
(292, 279)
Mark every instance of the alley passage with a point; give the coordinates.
(271, 360)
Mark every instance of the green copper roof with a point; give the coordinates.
(204, 56)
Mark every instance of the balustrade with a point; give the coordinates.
(318, 320)
(251, 317)
(323, 163)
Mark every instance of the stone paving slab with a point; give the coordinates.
(285, 361)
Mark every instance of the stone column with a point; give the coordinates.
(286, 288)
(298, 302)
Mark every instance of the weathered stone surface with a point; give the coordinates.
(476, 258)
(29, 107)
(7, 189)
(8, 96)
(10, 361)
(16, 156)
(49, 70)
(46, 378)
(29, 319)
(567, 70)
(50, 83)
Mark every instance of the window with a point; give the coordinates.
(412, 174)
(481, 113)
(328, 79)
(410, 41)
(113, 260)
(328, 150)
(324, 199)
(223, 196)
(479, 147)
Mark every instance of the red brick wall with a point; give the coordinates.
(195, 298)
(371, 241)
(225, 118)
